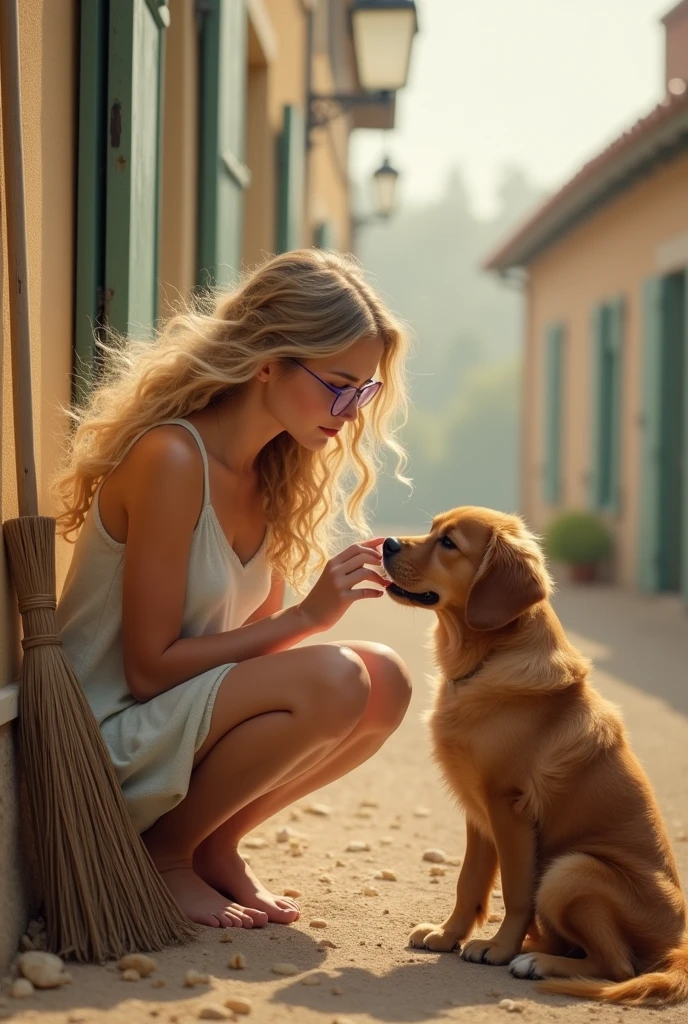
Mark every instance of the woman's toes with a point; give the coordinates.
(259, 917)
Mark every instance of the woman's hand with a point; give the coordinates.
(334, 591)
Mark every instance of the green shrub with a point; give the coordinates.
(577, 538)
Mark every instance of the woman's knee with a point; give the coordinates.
(390, 685)
(338, 690)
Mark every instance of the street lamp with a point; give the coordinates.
(383, 32)
(385, 181)
(383, 35)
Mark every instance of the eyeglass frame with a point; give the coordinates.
(338, 392)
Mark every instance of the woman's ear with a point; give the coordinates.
(511, 579)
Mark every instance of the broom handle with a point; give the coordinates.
(17, 262)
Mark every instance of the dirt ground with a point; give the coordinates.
(396, 805)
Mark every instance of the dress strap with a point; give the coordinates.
(199, 441)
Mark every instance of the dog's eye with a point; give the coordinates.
(448, 543)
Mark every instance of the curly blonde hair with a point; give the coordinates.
(306, 304)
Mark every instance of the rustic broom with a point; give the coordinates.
(103, 896)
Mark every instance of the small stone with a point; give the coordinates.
(370, 891)
(318, 922)
(340, 864)
(437, 871)
(21, 988)
(255, 844)
(327, 879)
(76, 1018)
(159, 982)
(296, 852)
(369, 803)
(239, 1004)
(357, 846)
(311, 980)
(327, 944)
(421, 812)
(366, 815)
(283, 835)
(337, 990)
(435, 856)
(387, 840)
(131, 975)
(193, 978)
(319, 810)
(434, 881)
(294, 893)
(145, 965)
(510, 1006)
(237, 962)
(226, 936)
(395, 824)
(295, 815)
(43, 970)
(342, 1020)
(455, 862)
(385, 913)
(387, 875)
(286, 970)
(213, 1011)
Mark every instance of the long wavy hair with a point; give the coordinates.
(306, 304)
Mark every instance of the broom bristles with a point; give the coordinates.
(103, 895)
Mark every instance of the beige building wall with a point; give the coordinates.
(48, 43)
(641, 234)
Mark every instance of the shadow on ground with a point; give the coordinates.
(640, 640)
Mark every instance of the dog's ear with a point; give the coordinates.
(511, 579)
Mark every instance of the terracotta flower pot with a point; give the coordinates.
(584, 572)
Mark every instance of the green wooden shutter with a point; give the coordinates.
(649, 519)
(136, 42)
(291, 180)
(607, 346)
(553, 420)
(90, 216)
(325, 237)
(684, 468)
(223, 175)
(597, 393)
(615, 358)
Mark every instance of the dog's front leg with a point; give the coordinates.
(515, 841)
(472, 896)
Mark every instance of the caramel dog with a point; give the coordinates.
(554, 797)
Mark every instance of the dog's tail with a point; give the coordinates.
(667, 985)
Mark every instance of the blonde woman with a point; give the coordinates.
(208, 468)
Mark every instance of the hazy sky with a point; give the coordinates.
(543, 84)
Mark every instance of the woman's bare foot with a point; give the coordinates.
(205, 905)
(228, 872)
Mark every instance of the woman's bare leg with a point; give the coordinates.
(269, 714)
(218, 861)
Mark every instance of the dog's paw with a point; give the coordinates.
(525, 965)
(483, 951)
(433, 937)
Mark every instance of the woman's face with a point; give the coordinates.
(302, 405)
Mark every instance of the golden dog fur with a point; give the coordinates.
(555, 799)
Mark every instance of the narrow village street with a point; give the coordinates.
(396, 807)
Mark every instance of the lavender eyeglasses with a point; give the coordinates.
(345, 396)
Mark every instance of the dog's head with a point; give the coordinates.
(481, 564)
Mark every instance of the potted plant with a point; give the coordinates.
(581, 541)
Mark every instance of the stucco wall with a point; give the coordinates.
(644, 232)
(48, 42)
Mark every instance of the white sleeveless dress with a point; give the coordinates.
(152, 745)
